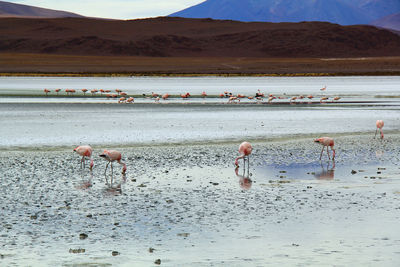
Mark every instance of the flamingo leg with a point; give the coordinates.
(112, 170)
(106, 168)
(381, 134)
(327, 150)
(82, 160)
(376, 132)
(320, 157)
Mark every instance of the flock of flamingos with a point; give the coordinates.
(245, 148)
(123, 97)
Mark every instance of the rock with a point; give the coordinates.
(77, 251)
(157, 261)
(83, 236)
(151, 250)
(353, 172)
(115, 253)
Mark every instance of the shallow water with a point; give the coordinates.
(186, 201)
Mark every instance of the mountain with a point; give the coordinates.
(344, 12)
(16, 10)
(179, 37)
(389, 22)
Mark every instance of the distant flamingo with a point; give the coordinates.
(122, 100)
(326, 142)
(310, 97)
(271, 98)
(233, 99)
(46, 91)
(221, 95)
(85, 151)
(165, 96)
(84, 91)
(111, 156)
(185, 95)
(336, 98)
(123, 93)
(323, 98)
(323, 88)
(379, 125)
(57, 91)
(130, 100)
(259, 94)
(204, 94)
(241, 96)
(245, 150)
(93, 91)
(154, 94)
(118, 91)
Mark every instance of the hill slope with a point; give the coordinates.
(16, 10)
(178, 37)
(344, 12)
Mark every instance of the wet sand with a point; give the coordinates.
(187, 203)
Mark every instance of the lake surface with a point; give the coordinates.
(72, 121)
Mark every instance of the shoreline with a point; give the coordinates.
(150, 74)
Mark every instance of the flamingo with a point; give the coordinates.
(233, 99)
(310, 97)
(85, 151)
(165, 96)
(379, 125)
(271, 98)
(336, 98)
(240, 96)
(245, 150)
(57, 91)
(118, 91)
(84, 91)
(154, 94)
(93, 91)
(326, 142)
(122, 100)
(204, 94)
(323, 98)
(123, 94)
(221, 95)
(46, 91)
(323, 88)
(259, 94)
(130, 100)
(111, 156)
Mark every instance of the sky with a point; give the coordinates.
(116, 9)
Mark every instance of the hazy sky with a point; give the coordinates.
(118, 9)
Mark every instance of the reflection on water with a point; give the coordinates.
(87, 182)
(244, 180)
(114, 189)
(327, 173)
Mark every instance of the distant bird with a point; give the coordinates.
(154, 94)
(130, 100)
(204, 94)
(233, 99)
(46, 91)
(271, 98)
(293, 99)
(241, 96)
(323, 98)
(111, 156)
(379, 125)
(93, 91)
(122, 100)
(84, 91)
(185, 95)
(337, 98)
(118, 91)
(123, 94)
(323, 88)
(245, 150)
(85, 151)
(310, 97)
(221, 95)
(250, 97)
(259, 94)
(165, 96)
(57, 91)
(326, 142)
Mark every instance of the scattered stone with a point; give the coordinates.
(183, 234)
(151, 250)
(83, 236)
(77, 251)
(169, 201)
(295, 245)
(353, 172)
(157, 261)
(142, 185)
(115, 253)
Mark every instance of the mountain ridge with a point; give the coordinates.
(8, 9)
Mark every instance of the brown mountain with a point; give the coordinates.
(8, 9)
(178, 37)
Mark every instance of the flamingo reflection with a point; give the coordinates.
(115, 190)
(86, 183)
(326, 173)
(244, 181)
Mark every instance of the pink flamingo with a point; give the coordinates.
(204, 94)
(323, 88)
(46, 91)
(245, 150)
(379, 125)
(165, 96)
(326, 142)
(130, 100)
(84, 91)
(85, 151)
(111, 156)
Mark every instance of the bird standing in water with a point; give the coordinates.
(85, 151)
(326, 142)
(111, 156)
(379, 125)
(245, 150)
